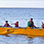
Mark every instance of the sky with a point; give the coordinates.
(21, 3)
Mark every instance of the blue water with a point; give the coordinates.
(22, 15)
(20, 39)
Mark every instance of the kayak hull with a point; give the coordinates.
(30, 32)
(22, 31)
(5, 31)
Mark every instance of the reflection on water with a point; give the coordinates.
(20, 39)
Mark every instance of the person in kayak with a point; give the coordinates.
(31, 23)
(16, 24)
(42, 25)
(6, 24)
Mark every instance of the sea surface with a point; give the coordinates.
(20, 39)
(22, 15)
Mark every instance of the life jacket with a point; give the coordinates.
(42, 27)
(6, 25)
(16, 24)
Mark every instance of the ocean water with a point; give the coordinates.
(22, 15)
(20, 39)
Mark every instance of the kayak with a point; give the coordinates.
(22, 31)
(5, 31)
(29, 32)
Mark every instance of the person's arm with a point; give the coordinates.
(34, 25)
(12, 23)
(9, 25)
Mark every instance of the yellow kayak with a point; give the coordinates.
(22, 31)
(5, 31)
(30, 32)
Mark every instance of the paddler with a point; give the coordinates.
(31, 23)
(42, 25)
(6, 24)
(16, 24)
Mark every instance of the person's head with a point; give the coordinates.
(31, 19)
(17, 22)
(6, 22)
(42, 23)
